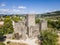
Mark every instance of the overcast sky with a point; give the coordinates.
(28, 6)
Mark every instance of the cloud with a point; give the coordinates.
(2, 4)
(21, 7)
(14, 11)
(17, 11)
(4, 11)
(9, 11)
(32, 12)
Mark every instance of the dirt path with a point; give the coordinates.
(27, 41)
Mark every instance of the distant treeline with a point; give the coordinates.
(51, 14)
(48, 14)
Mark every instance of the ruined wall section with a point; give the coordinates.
(20, 28)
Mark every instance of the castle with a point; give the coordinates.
(28, 28)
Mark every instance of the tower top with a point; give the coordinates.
(30, 20)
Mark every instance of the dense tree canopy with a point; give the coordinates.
(54, 24)
(1, 31)
(8, 27)
(37, 20)
(49, 37)
(2, 43)
(16, 18)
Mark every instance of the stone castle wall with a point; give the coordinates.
(20, 28)
(31, 29)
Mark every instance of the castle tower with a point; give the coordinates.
(43, 24)
(30, 22)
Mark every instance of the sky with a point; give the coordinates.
(28, 6)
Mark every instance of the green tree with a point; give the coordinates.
(8, 27)
(37, 20)
(1, 43)
(54, 24)
(16, 19)
(49, 37)
(1, 31)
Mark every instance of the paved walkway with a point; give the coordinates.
(27, 41)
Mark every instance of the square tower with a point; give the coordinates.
(43, 24)
(30, 20)
(30, 23)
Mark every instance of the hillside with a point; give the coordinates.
(51, 14)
